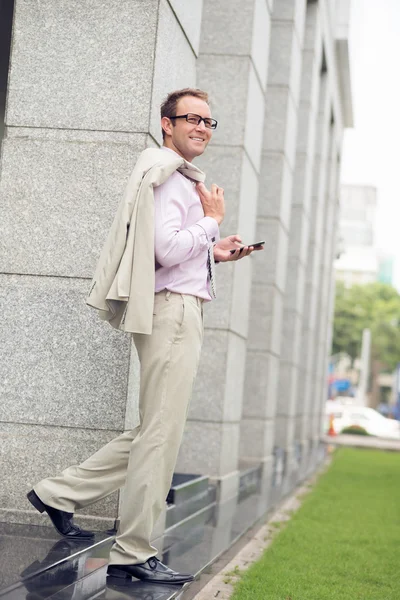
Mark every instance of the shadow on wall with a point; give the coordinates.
(6, 16)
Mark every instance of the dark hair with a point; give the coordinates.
(168, 107)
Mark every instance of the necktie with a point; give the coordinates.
(211, 269)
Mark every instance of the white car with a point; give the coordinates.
(346, 415)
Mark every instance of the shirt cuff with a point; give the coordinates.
(210, 228)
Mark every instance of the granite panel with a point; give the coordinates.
(302, 181)
(314, 97)
(277, 320)
(174, 66)
(256, 439)
(223, 79)
(293, 285)
(270, 266)
(218, 388)
(253, 136)
(235, 374)
(291, 337)
(300, 19)
(296, 70)
(60, 365)
(294, 290)
(281, 53)
(284, 431)
(265, 319)
(311, 307)
(312, 34)
(229, 450)
(228, 488)
(285, 10)
(242, 270)
(276, 107)
(227, 27)
(303, 133)
(280, 125)
(291, 133)
(64, 193)
(272, 397)
(189, 19)
(261, 314)
(35, 452)
(209, 449)
(260, 388)
(312, 258)
(73, 68)
(210, 387)
(299, 234)
(151, 143)
(241, 292)
(311, 138)
(308, 75)
(248, 200)
(260, 45)
(275, 188)
(287, 392)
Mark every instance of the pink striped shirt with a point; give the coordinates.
(182, 237)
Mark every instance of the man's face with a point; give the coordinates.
(188, 139)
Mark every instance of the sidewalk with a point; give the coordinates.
(360, 441)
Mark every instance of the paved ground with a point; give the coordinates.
(360, 441)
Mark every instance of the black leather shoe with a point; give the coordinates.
(152, 571)
(62, 521)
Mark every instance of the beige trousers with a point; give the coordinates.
(142, 460)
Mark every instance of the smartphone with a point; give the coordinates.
(256, 245)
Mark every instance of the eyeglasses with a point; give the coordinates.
(196, 120)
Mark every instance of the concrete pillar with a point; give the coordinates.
(319, 374)
(290, 402)
(273, 221)
(312, 286)
(232, 67)
(82, 103)
(327, 295)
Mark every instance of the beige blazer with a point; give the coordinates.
(122, 289)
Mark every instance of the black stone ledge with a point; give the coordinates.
(64, 569)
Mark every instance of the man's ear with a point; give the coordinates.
(166, 125)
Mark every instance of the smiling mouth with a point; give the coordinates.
(196, 139)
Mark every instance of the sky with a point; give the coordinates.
(371, 150)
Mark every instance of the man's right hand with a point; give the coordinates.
(213, 201)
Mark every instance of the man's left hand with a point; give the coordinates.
(232, 242)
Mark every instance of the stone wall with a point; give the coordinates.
(84, 89)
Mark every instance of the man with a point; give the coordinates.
(154, 274)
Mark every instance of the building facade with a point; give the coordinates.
(358, 262)
(85, 81)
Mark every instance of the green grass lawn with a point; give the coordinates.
(343, 543)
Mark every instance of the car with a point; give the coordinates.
(348, 415)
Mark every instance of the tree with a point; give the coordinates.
(375, 306)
